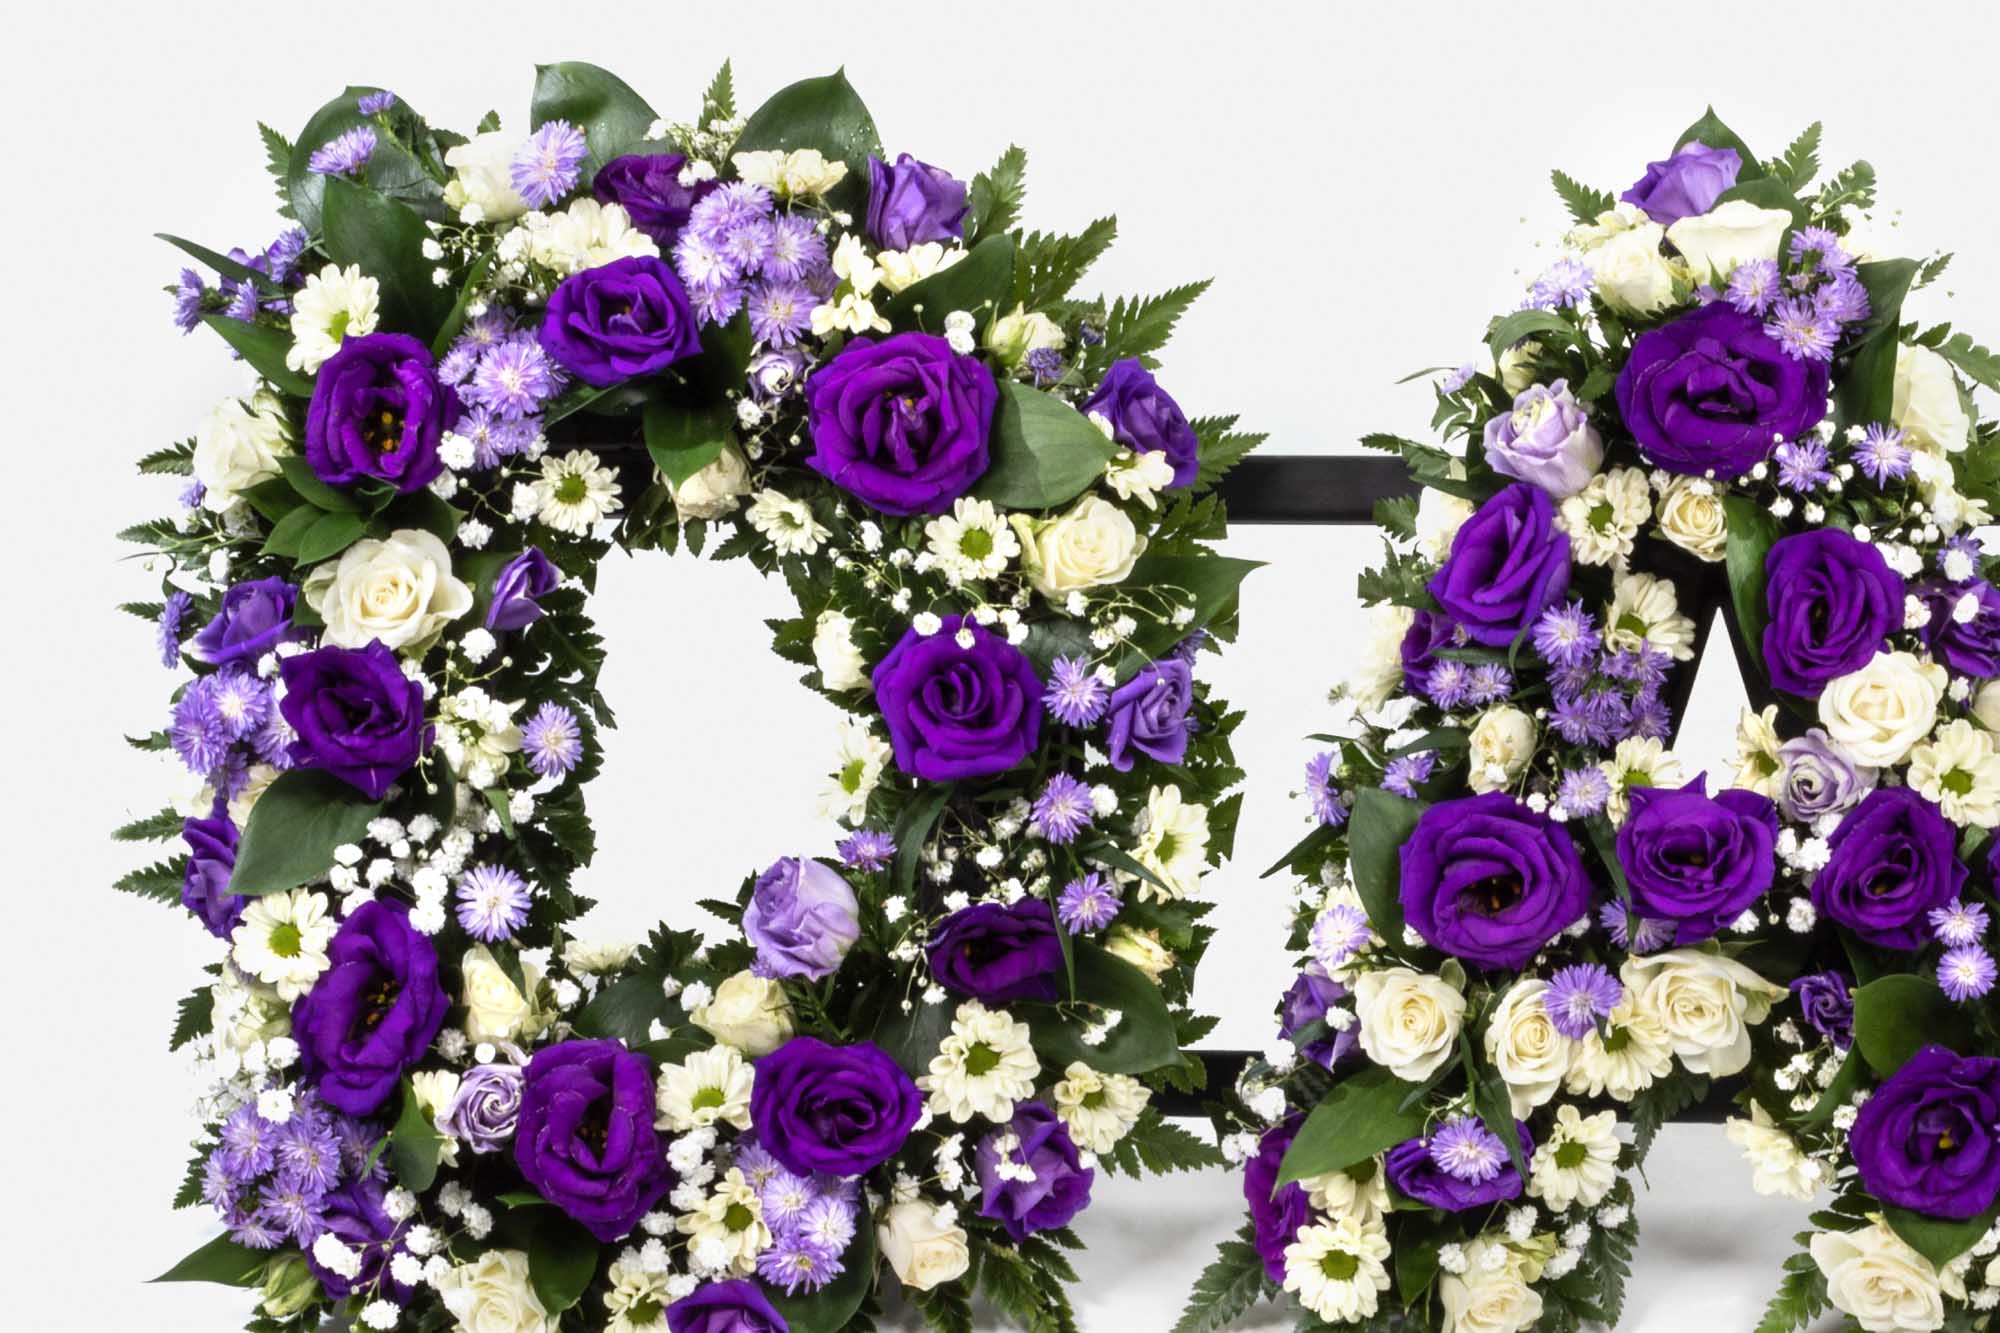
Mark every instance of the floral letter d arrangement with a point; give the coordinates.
(1529, 932)
(479, 364)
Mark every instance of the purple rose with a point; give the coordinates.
(774, 372)
(1428, 632)
(1685, 185)
(372, 1014)
(901, 424)
(205, 891)
(356, 714)
(1149, 714)
(998, 953)
(1697, 860)
(357, 1214)
(913, 202)
(1929, 1139)
(1306, 1003)
(735, 1306)
(1711, 392)
(1059, 1187)
(957, 712)
(619, 321)
(648, 187)
(516, 587)
(1507, 564)
(840, 1109)
(1818, 778)
(1415, 1173)
(1970, 647)
(585, 1139)
(486, 1107)
(252, 619)
(1276, 1212)
(1833, 601)
(1892, 860)
(1490, 881)
(378, 412)
(1145, 419)
(802, 918)
(1546, 440)
(1826, 1005)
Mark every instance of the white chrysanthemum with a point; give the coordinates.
(1361, 1191)
(708, 1086)
(983, 1066)
(282, 940)
(1959, 770)
(1172, 843)
(1578, 1162)
(906, 268)
(1639, 761)
(973, 541)
(1630, 1057)
(786, 523)
(334, 304)
(859, 761)
(1644, 609)
(1139, 476)
(800, 174)
(587, 234)
(637, 1300)
(576, 492)
(731, 1219)
(1098, 1108)
(1604, 518)
(478, 734)
(1756, 766)
(1779, 1167)
(1338, 1270)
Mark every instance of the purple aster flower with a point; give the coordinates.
(827, 1223)
(242, 701)
(747, 243)
(187, 301)
(282, 255)
(1458, 379)
(552, 741)
(701, 262)
(1402, 774)
(374, 104)
(1753, 286)
(198, 732)
(1958, 922)
(1064, 809)
(1651, 933)
(1818, 247)
(514, 379)
(309, 1155)
(784, 1195)
(173, 617)
(1805, 334)
(256, 1231)
(780, 312)
(1584, 791)
(1578, 996)
(795, 250)
(1597, 717)
(1843, 301)
(1650, 718)
(716, 305)
(1966, 973)
(1075, 696)
(728, 207)
(1488, 682)
(242, 304)
(248, 1144)
(344, 154)
(1327, 807)
(493, 902)
(1567, 282)
(292, 1208)
(1465, 1149)
(1802, 466)
(1339, 933)
(866, 849)
(545, 168)
(1883, 454)
(793, 1262)
(1566, 635)
(1088, 903)
(1046, 365)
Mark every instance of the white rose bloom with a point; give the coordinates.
(336, 303)
(1409, 1020)
(1603, 519)
(1524, 1047)
(1011, 337)
(1729, 234)
(1873, 1275)
(1502, 742)
(1644, 609)
(841, 666)
(1092, 545)
(1691, 517)
(1439, 517)
(1986, 705)
(1622, 252)
(715, 491)
(1173, 844)
(1578, 1162)
(748, 1012)
(483, 177)
(983, 1066)
(1959, 770)
(922, 1248)
(1638, 1055)
(1098, 1108)
(587, 234)
(1487, 1297)
(493, 1295)
(238, 446)
(1927, 404)
(495, 1008)
(907, 268)
(1877, 713)
(707, 1086)
(1142, 949)
(1779, 1168)
(399, 590)
(1378, 672)
(1706, 1004)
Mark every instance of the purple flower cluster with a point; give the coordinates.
(240, 298)
(548, 165)
(1808, 302)
(1322, 792)
(866, 849)
(812, 1217)
(505, 378)
(1605, 695)
(738, 252)
(273, 1182)
(1966, 971)
(222, 722)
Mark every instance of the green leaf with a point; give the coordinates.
(1868, 393)
(1050, 265)
(1584, 203)
(1226, 1289)
(1898, 1015)
(221, 1260)
(328, 535)
(995, 196)
(223, 264)
(386, 240)
(1801, 161)
(912, 1039)
(391, 170)
(683, 440)
(1213, 583)
(624, 1008)
(305, 483)
(1714, 134)
(1511, 329)
(1800, 1298)
(160, 881)
(302, 816)
(1153, 1144)
(263, 349)
(1769, 192)
(1979, 363)
(824, 113)
(1939, 1239)
(283, 538)
(613, 118)
(976, 284)
(414, 1144)
(1044, 452)
(1380, 825)
(1141, 326)
(829, 1309)
(1144, 1038)
(718, 100)
(197, 1012)
(1751, 533)
(1360, 1116)
(562, 1258)
(158, 827)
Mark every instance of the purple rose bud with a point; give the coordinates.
(901, 424)
(840, 1109)
(1413, 1168)
(1826, 1006)
(378, 412)
(1969, 647)
(585, 1139)
(1059, 1187)
(1486, 879)
(1508, 563)
(1685, 185)
(356, 715)
(997, 953)
(520, 581)
(252, 619)
(1891, 861)
(774, 372)
(1276, 1211)
(1697, 860)
(1546, 441)
(1145, 419)
(802, 918)
(1818, 778)
(1834, 602)
(486, 1107)
(1929, 1139)
(205, 884)
(619, 321)
(957, 712)
(913, 202)
(1306, 1003)
(648, 187)
(373, 1013)
(735, 1306)
(1149, 714)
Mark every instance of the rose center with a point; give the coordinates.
(1497, 893)
(379, 1002)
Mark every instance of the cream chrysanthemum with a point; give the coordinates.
(282, 940)
(1361, 1191)
(732, 1219)
(1756, 765)
(973, 541)
(335, 304)
(709, 1086)
(1644, 609)
(1578, 1162)
(1172, 844)
(1639, 761)
(859, 761)
(1958, 769)
(1631, 1055)
(983, 1066)
(1337, 1268)
(1098, 1108)
(1603, 519)
(786, 523)
(576, 492)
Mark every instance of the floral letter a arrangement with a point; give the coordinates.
(479, 364)
(1530, 933)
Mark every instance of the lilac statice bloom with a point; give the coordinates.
(345, 154)
(1075, 696)
(1045, 365)
(1327, 807)
(1578, 996)
(866, 849)
(1090, 902)
(552, 741)
(547, 166)
(1064, 809)
(1402, 774)
(493, 902)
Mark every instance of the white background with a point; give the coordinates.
(1367, 187)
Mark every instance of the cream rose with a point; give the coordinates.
(1502, 742)
(1011, 337)
(495, 1008)
(1090, 546)
(1141, 949)
(1986, 705)
(841, 666)
(1631, 273)
(482, 181)
(1729, 234)
(922, 1250)
(492, 1294)
(1689, 512)
(1705, 1003)
(901, 269)
(399, 590)
(1874, 1275)
(748, 1012)
(717, 489)
(1878, 713)
(1524, 1046)
(1488, 1300)
(1379, 669)
(1927, 404)
(238, 446)
(1515, 367)
(1409, 1020)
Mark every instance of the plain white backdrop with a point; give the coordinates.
(1367, 186)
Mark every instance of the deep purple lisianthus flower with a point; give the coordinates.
(1149, 714)
(1276, 1212)
(1969, 647)
(1060, 1188)
(1697, 860)
(1486, 879)
(378, 411)
(912, 202)
(1486, 1176)
(1929, 1139)
(1145, 418)
(1685, 185)
(802, 918)
(648, 187)
(1833, 600)
(205, 884)
(1428, 632)
(1826, 1005)
(1546, 440)
(957, 712)
(840, 1109)
(1306, 1003)
(901, 423)
(486, 1107)
(357, 1213)
(252, 619)
(1893, 858)
(374, 1011)
(528, 576)
(998, 953)
(735, 1306)
(619, 321)
(356, 715)
(1712, 392)
(1507, 563)
(584, 1138)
